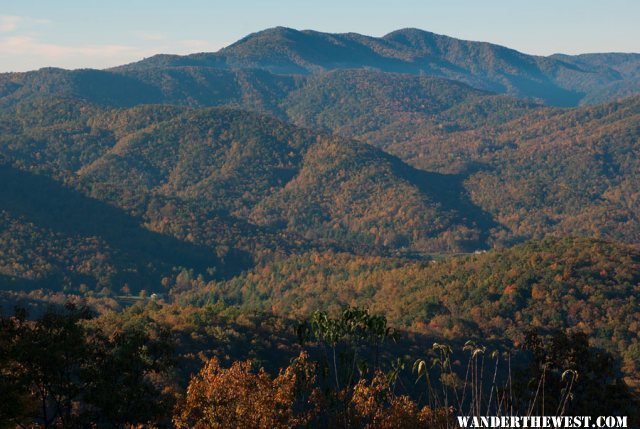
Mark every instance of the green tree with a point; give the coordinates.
(129, 362)
(587, 378)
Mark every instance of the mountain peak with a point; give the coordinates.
(408, 31)
(273, 33)
(555, 80)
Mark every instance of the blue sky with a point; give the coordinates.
(89, 33)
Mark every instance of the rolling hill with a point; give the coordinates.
(177, 170)
(553, 80)
(577, 284)
(229, 182)
(569, 172)
(474, 169)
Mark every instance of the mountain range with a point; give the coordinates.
(383, 200)
(556, 80)
(287, 141)
(269, 64)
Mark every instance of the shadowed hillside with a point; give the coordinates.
(64, 237)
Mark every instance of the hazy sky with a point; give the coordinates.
(88, 33)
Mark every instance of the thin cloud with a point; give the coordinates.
(15, 45)
(9, 23)
(31, 52)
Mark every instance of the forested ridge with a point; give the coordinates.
(588, 285)
(339, 227)
(251, 186)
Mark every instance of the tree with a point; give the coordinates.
(56, 371)
(344, 339)
(133, 364)
(47, 356)
(587, 378)
(239, 397)
(16, 404)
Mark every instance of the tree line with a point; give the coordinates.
(64, 370)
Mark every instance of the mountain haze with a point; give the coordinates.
(554, 80)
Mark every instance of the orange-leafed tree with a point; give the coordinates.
(240, 397)
(374, 405)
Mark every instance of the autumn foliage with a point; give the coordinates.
(241, 397)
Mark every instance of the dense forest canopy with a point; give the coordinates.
(342, 211)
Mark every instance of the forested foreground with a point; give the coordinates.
(315, 340)
(68, 368)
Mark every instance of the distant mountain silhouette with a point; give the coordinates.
(261, 70)
(555, 80)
